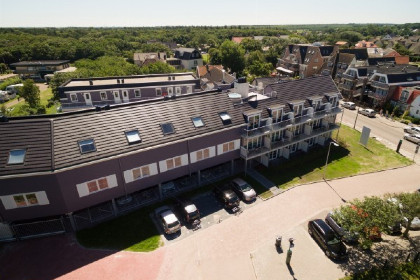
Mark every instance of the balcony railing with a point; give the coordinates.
(347, 76)
(378, 84)
(345, 86)
(374, 95)
(286, 141)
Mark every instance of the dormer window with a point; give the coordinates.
(87, 146)
(253, 121)
(333, 101)
(404, 96)
(298, 109)
(16, 156)
(316, 104)
(382, 79)
(277, 115)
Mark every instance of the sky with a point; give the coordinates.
(116, 13)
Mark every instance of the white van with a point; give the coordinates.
(13, 89)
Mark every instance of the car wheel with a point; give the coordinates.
(328, 253)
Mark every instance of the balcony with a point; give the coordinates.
(347, 77)
(374, 95)
(345, 86)
(286, 141)
(378, 84)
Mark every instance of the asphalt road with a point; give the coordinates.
(385, 130)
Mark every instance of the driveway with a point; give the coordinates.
(240, 247)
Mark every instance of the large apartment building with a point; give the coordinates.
(85, 93)
(59, 165)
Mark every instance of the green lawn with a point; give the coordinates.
(350, 158)
(406, 271)
(20, 110)
(132, 232)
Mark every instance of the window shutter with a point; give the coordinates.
(42, 198)
(128, 176)
(112, 181)
(184, 159)
(237, 144)
(82, 189)
(220, 149)
(212, 151)
(8, 202)
(193, 157)
(162, 166)
(153, 169)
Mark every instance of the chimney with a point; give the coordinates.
(169, 78)
(173, 78)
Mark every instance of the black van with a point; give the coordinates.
(327, 240)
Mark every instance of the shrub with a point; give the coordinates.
(40, 110)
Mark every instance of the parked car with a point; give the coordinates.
(168, 220)
(349, 105)
(243, 190)
(415, 223)
(346, 236)
(187, 210)
(367, 112)
(412, 129)
(327, 240)
(415, 138)
(225, 195)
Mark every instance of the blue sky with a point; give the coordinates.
(62, 13)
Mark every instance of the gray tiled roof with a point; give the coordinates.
(35, 137)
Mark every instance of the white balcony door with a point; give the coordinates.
(88, 99)
(125, 96)
(117, 98)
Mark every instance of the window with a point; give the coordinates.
(382, 79)
(297, 109)
(254, 143)
(139, 173)
(73, 97)
(226, 119)
(137, 93)
(16, 156)
(227, 147)
(25, 200)
(277, 115)
(195, 63)
(173, 163)
(97, 185)
(167, 128)
(404, 96)
(316, 60)
(253, 121)
(177, 90)
(125, 94)
(315, 68)
(203, 154)
(316, 104)
(330, 64)
(103, 95)
(87, 146)
(116, 94)
(197, 121)
(92, 186)
(158, 92)
(133, 136)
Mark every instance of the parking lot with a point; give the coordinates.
(212, 212)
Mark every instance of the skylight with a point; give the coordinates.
(87, 146)
(167, 128)
(133, 136)
(16, 156)
(198, 121)
(225, 116)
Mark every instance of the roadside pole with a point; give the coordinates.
(357, 114)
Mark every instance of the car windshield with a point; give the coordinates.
(233, 199)
(245, 187)
(193, 215)
(333, 241)
(174, 224)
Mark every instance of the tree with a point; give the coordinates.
(215, 56)
(410, 208)
(158, 67)
(256, 64)
(232, 56)
(30, 92)
(367, 217)
(250, 45)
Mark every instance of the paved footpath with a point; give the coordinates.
(240, 247)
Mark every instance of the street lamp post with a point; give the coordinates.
(328, 154)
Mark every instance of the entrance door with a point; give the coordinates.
(125, 96)
(117, 98)
(88, 100)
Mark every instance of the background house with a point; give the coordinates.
(36, 70)
(189, 58)
(142, 59)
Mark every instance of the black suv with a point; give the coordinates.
(187, 209)
(345, 235)
(326, 238)
(225, 195)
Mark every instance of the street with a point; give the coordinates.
(385, 130)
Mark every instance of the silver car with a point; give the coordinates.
(367, 112)
(412, 129)
(415, 223)
(415, 138)
(243, 190)
(349, 105)
(168, 220)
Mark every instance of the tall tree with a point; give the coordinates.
(410, 208)
(30, 92)
(233, 56)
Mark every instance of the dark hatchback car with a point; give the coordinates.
(187, 209)
(327, 240)
(346, 236)
(228, 197)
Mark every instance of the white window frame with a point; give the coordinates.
(125, 94)
(194, 156)
(10, 203)
(71, 97)
(83, 189)
(275, 115)
(236, 146)
(137, 92)
(170, 91)
(103, 92)
(163, 164)
(129, 174)
(178, 91)
(158, 91)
